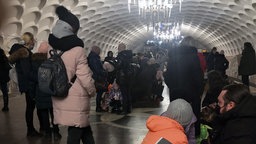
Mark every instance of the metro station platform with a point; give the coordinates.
(107, 128)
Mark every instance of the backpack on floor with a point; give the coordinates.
(52, 76)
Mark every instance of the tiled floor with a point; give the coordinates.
(107, 128)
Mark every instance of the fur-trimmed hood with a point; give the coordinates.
(19, 54)
(39, 56)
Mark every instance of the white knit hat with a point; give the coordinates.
(180, 110)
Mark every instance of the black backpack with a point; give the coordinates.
(52, 76)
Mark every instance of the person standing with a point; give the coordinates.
(4, 78)
(43, 100)
(211, 59)
(73, 111)
(110, 56)
(99, 74)
(123, 78)
(20, 55)
(247, 65)
(222, 64)
(184, 78)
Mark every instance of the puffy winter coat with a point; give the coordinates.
(74, 109)
(164, 127)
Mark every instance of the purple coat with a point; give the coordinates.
(190, 131)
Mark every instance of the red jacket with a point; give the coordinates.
(202, 61)
(164, 127)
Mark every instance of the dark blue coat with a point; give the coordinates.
(21, 57)
(95, 64)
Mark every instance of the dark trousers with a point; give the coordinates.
(99, 99)
(4, 90)
(245, 80)
(44, 113)
(126, 98)
(75, 134)
(30, 107)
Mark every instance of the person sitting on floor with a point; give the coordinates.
(171, 125)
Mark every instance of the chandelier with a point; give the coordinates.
(157, 14)
(167, 31)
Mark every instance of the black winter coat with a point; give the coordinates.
(4, 69)
(184, 72)
(21, 57)
(43, 100)
(124, 68)
(221, 63)
(237, 126)
(184, 77)
(211, 61)
(247, 64)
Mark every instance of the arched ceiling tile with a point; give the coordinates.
(48, 21)
(70, 3)
(12, 29)
(33, 29)
(43, 35)
(96, 4)
(34, 3)
(103, 9)
(89, 13)
(33, 16)
(16, 11)
(49, 9)
(42, 4)
(80, 8)
(96, 17)
(219, 4)
(112, 2)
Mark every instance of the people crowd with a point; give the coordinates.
(121, 81)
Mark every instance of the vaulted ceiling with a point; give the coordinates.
(226, 24)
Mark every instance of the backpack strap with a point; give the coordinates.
(56, 52)
(59, 53)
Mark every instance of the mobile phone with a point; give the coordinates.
(163, 141)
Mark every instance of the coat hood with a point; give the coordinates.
(39, 56)
(158, 123)
(164, 127)
(18, 54)
(65, 43)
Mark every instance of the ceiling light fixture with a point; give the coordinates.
(157, 14)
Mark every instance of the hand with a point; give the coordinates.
(213, 105)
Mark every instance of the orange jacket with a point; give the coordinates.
(164, 127)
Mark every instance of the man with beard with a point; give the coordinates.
(236, 123)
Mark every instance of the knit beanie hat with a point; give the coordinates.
(181, 111)
(43, 47)
(66, 18)
(62, 29)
